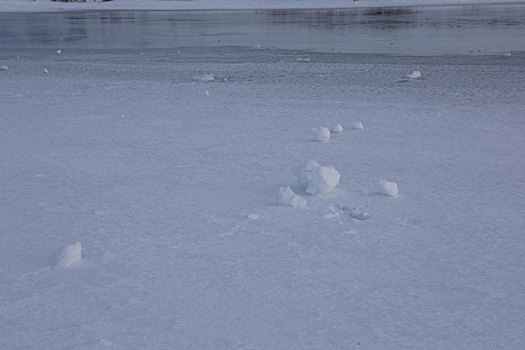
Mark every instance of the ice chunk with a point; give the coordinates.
(45, 71)
(337, 129)
(207, 78)
(507, 54)
(287, 197)
(59, 52)
(67, 255)
(323, 180)
(322, 134)
(415, 75)
(358, 126)
(304, 172)
(317, 180)
(3, 68)
(388, 188)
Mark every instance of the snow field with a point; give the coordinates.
(175, 204)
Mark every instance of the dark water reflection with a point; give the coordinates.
(416, 30)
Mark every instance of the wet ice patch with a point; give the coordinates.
(388, 188)
(287, 196)
(415, 75)
(321, 134)
(67, 255)
(317, 180)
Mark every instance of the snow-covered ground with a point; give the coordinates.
(165, 165)
(48, 5)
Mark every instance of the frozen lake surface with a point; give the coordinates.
(159, 142)
(418, 30)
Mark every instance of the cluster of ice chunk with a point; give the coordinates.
(317, 180)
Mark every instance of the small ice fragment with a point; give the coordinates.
(254, 216)
(287, 197)
(59, 52)
(388, 188)
(67, 255)
(322, 134)
(207, 93)
(337, 129)
(207, 78)
(415, 75)
(45, 71)
(358, 126)
(3, 68)
(507, 54)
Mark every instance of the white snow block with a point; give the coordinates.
(337, 129)
(358, 126)
(3, 68)
(317, 180)
(415, 75)
(67, 255)
(322, 134)
(388, 188)
(287, 197)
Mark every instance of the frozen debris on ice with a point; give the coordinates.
(507, 54)
(3, 68)
(415, 75)
(322, 134)
(67, 255)
(207, 78)
(358, 126)
(337, 129)
(59, 52)
(45, 71)
(287, 197)
(317, 180)
(388, 188)
(344, 213)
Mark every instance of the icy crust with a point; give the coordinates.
(317, 180)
